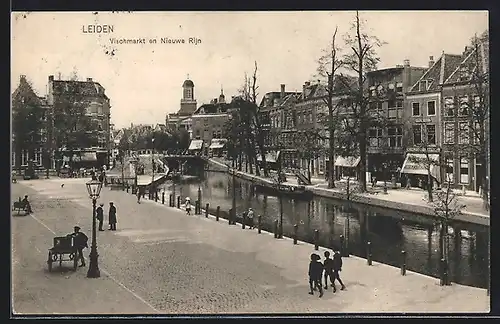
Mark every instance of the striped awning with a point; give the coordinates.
(270, 156)
(417, 163)
(347, 162)
(195, 145)
(217, 143)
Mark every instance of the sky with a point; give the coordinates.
(144, 81)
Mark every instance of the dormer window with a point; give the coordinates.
(464, 74)
(424, 85)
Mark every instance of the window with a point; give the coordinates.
(464, 105)
(415, 108)
(464, 73)
(449, 169)
(392, 104)
(463, 135)
(399, 87)
(417, 134)
(449, 133)
(431, 134)
(431, 108)
(373, 106)
(477, 102)
(24, 157)
(449, 107)
(188, 93)
(477, 133)
(399, 103)
(423, 85)
(392, 113)
(38, 157)
(400, 113)
(13, 160)
(375, 136)
(395, 136)
(380, 106)
(464, 170)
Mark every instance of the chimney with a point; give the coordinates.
(89, 79)
(22, 78)
(282, 94)
(51, 78)
(399, 66)
(431, 61)
(406, 63)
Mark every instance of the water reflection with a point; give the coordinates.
(389, 231)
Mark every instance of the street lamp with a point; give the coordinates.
(384, 165)
(94, 189)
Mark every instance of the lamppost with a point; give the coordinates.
(384, 165)
(233, 214)
(94, 189)
(153, 167)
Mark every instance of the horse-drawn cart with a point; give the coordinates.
(63, 246)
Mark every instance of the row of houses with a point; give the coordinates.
(46, 151)
(429, 105)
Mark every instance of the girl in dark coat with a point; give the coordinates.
(112, 217)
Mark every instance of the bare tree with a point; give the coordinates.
(361, 58)
(329, 64)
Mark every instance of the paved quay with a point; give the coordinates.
(411, 200)
(162, 261)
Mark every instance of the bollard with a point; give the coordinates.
(178, 201)
(276, 228)
(342, 252)
(244, 221)
(156, 196)
(316, 240)
(206, 209)
(230, 216)
(403, 263)
(369, 253)
(217, 213)
(442, 272)
(170, 200)
(295, 231)
(163, 198)
(259, 224)
(197, 207)
(127, 188)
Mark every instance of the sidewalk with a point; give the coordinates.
(193, 264)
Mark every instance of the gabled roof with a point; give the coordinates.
(212, 108)
(341, 84)
(273, 96)
(469, 63)
(25, 90)
(83, 88)
(438, 72)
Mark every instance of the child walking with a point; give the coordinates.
(315, 272)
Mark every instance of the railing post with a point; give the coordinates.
(170, 200)
(217, 213)
(178, 201)
(127, 188)
(295, 232)
(259, 224)
(163, 198)
(206, 209)
(230, 216)
(369, 253)
(316, 240)
(275, 228)
(403, 263)
(442, 272)
(197, 208)
(244, 221)
(342, 242)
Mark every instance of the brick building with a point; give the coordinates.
(386, 144)
(460, 126)
(423, 117)
(91, 95)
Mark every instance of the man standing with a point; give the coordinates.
(100, 216)
(112, 217)
(80, 242)
(250, 215)
(337, 267)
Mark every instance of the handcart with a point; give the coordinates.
(63, 246)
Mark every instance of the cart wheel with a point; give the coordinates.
(71, 256)
(75, 261)
(49, 261)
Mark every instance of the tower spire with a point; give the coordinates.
(188, 76)
(221, 90)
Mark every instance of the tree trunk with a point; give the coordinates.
(429, 185)
(362, 164)
(483, 155)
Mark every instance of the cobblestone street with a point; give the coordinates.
(162, 261)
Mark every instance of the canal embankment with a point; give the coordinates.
(396, 199)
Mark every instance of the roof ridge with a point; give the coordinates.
(426, 72)
(458, 67)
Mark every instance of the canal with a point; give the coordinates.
(389, 231)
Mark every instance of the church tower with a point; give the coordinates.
(222, 98)
(188, 102)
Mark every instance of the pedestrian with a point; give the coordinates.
(337, 267)
(27, 205)
(80, 241)
(328, 265)
(187, 205)
(250, 215)
(100, 216)
(315, 271)
(112, 217)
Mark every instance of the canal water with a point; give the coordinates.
(389, 231)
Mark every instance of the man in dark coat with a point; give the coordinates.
(80, 241)
(328, 265)
(27, 205)
(315, 272)
(112, 217)
(99, 215)
(337, 267)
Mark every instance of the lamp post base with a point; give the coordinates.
(93, 271)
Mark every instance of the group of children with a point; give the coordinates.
(331, 269)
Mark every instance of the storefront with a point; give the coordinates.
(416, 168)
(346, 166)
(196, 147)
(217, 147)
(272, 159)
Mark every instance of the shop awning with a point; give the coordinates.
(270, 156)
(217, 144)
(195, 145)
(347, 162)
(416, 163)
(88, 156)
